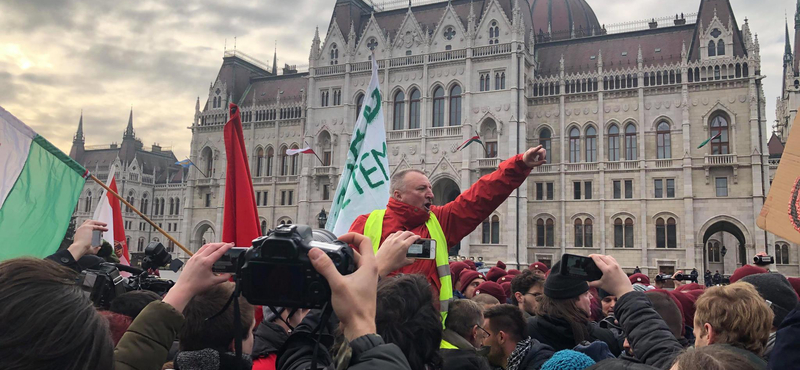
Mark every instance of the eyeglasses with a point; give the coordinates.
(486, 333)
(533, 294)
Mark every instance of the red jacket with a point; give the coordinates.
(458, 218)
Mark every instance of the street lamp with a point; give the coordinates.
(724, 251)
(322, 218)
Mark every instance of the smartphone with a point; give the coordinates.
(97, 238)
(422, 249)
(580, 267)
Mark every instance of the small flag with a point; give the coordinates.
(474, 139)
(708, 140)
(109, 211)
(186, 163)
(305, 150)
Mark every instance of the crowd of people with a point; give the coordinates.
(394, 312)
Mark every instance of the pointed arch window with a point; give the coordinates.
(591, 144)
(494, 33)
(720, 47)
(399, 109)
(284, 162)
(438, 107)
(143, 203)
(712, 48)
(259, 162)
(489, 134)
(295, 168)
(544, 232)
(171, 206)
(334, 54)
(155, 206)
(359, 103)
(545, 141)
(714, 251)
(782, 254)
(163, 202)
(414, 109)
(719, 131)
(578, 233)
(177, 206)
(455, 105)
(270, 157)
(88, 206)
(666, 233)
(208, 158)
(263, 227)
(630, 142)
(663, 141)
(574, 145)
(613, 143)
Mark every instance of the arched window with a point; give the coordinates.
(295, 168)
(719, 131)
(171, 206)
(162, 202)
(489, 134)
(720, 47)
(414, 110)
(483, 80)
(208, 160)
(545, 142)
(630, 142)
(284, 162)
(143, 203)
(140, 244)
(438, 107)
(359, 103)
(177, 206)
(491, 230)
(270, 156)
(324, 141)
(544, 233)
(574, 145)
(155, 206)
(712, 48)
(334, 54)
(623, 233)
(587, 233)
(672, 233)
(131, 201)
(399, 109)
(88, 206)
(591, 144)
(494, 33)
(263, 227)
(663, 143)
(613, 143)
(455, 105)
(578, 233)
(666, 233)
(781, 254)
(661, 233)
(714, 251)
(259, 162)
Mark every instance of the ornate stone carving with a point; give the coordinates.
(395, 150)
(435, 148)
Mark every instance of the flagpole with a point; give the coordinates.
(198, 168)
(153, 224)
(315, 154)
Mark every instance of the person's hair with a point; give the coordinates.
(523, 283)
(462, 316)
(738, 314)
(566, 309)
(397, 182)
(117, 324)
(712, 358)
(47, 321)
(217, 333)
(506, 318)
(133, 302)
(485, 299)
(407, 317)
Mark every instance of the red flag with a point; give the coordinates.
(109, 211)
(240, 220)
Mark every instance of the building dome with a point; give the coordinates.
(560, 18)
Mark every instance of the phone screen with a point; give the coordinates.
(580, 267)
(422, 249)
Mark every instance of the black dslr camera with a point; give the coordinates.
(102, 284)
(276, 270)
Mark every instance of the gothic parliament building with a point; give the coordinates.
(621, 110)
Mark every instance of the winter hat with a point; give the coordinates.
(795, 284)
(514, 272)
(538, 266)
(501, 265)
(745, 271)
(505, 279)
(467, 276)
(776, 289)
(559, 286)
(639, 287)
(493, 289)
(602, 293)
(495, 273)
(471, 264)
(568, 360)
(687, 300)
(507, 289)
(667, 307)
(639, 278)
(690, 286)
(456, 268)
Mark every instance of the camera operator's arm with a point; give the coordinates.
(81, 245)
(146, 343)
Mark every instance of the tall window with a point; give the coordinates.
(414, 110)
(500, 80)
(163, 203)
(719, 131)
(155, 206)
(663, 144)
(294, 163)
(591, 144)
(714, 254)
(263, 227)
(455, 106)
(666, 233)
(399, 109)
(544, 233)
(613, 143)
(578, 233)
(486, 81)
(171, 206)
(334, 54)
(438, 107)
(494, 33)
(574, 145)
(284, 162)
(544, 141)
(781, 254)
(325, 146)
(491, 230)
(270, 156)
(617, 184)
(720, 47)
(712, 48)
(583, 233)
(489, 134)
(88, 205)
(143, 204)
(721, 184)
(623, 233)
(259, 162)
(359, 103)
(130, 200)
(208, 157)
(630, 142)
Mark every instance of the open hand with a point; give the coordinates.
(82, 241)
(535, 157)
(197, 275)
(614, 280)
(391, 255)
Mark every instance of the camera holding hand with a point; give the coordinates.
(276, 271)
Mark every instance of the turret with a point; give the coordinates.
(78, 141)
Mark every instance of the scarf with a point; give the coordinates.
(522, 349)
(210, 359)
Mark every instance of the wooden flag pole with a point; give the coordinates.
(149, 221)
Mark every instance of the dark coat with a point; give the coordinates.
(268, 339)
(784, 353)
(464, 357)
(147, 341)
(536, 356)
(557, 333)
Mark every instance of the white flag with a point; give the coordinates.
(364, 183)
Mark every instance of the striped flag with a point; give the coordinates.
(306, 150)
(39, 187)
(109, 211)
(709, 140)
(474, 139)
(186, 163)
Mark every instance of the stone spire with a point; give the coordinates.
(79, 138)
(787, 52)
(315, 44)
(77, 150)
(129, 132)
(275, 60)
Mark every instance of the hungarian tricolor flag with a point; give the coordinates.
(39, 187)
(108, 210)
(474, 139)
(306, 150)
(709, 140)
(240, 221)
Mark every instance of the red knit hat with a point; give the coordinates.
(505, 279)
(456, 268)
(539, 266)
(495, 273)
(795, 284)
(471, 264)
(501, 265)
(690, 286)
(745, 271)
(493, 289)
(507, 289)
(639, 278)
(514, 272)
(467, 276)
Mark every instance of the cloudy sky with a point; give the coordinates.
(58, 57)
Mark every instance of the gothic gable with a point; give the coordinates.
(334, 40)
(495, 18)
(372, 39)
(449, 32)
(409, 37)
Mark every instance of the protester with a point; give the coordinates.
(526, 288)
(506, 285)
(411, 208)
(271, 333)
(463, 336)
(501, 265)
(746, 270)
(707, 278)
(485, 300)
(117, 324)
(562, 318)
(639, 278)
(784, 353)
(469, 281)
(132, 303)
(455, 272)
(539, 268)
(669, 308)
(80, 255)
(711, 358)
(568, 360)
(493, 289)
(607, 303)
(509, 348)
(495, 273)
(780, 297)
(694, 275)
(514, 272)
(717, 279)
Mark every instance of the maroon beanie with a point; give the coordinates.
(795, 284)
(514, 272)
(505, 279)
(471, 264)
(507, 289)
(539, 266)
(493, 289)
(501, 265)
(495, 273)
(670, 310)
(746, 270)
(639, 278)
(467, 276)
(456, 268)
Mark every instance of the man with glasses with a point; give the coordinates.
(525, 290)
(462, 337)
